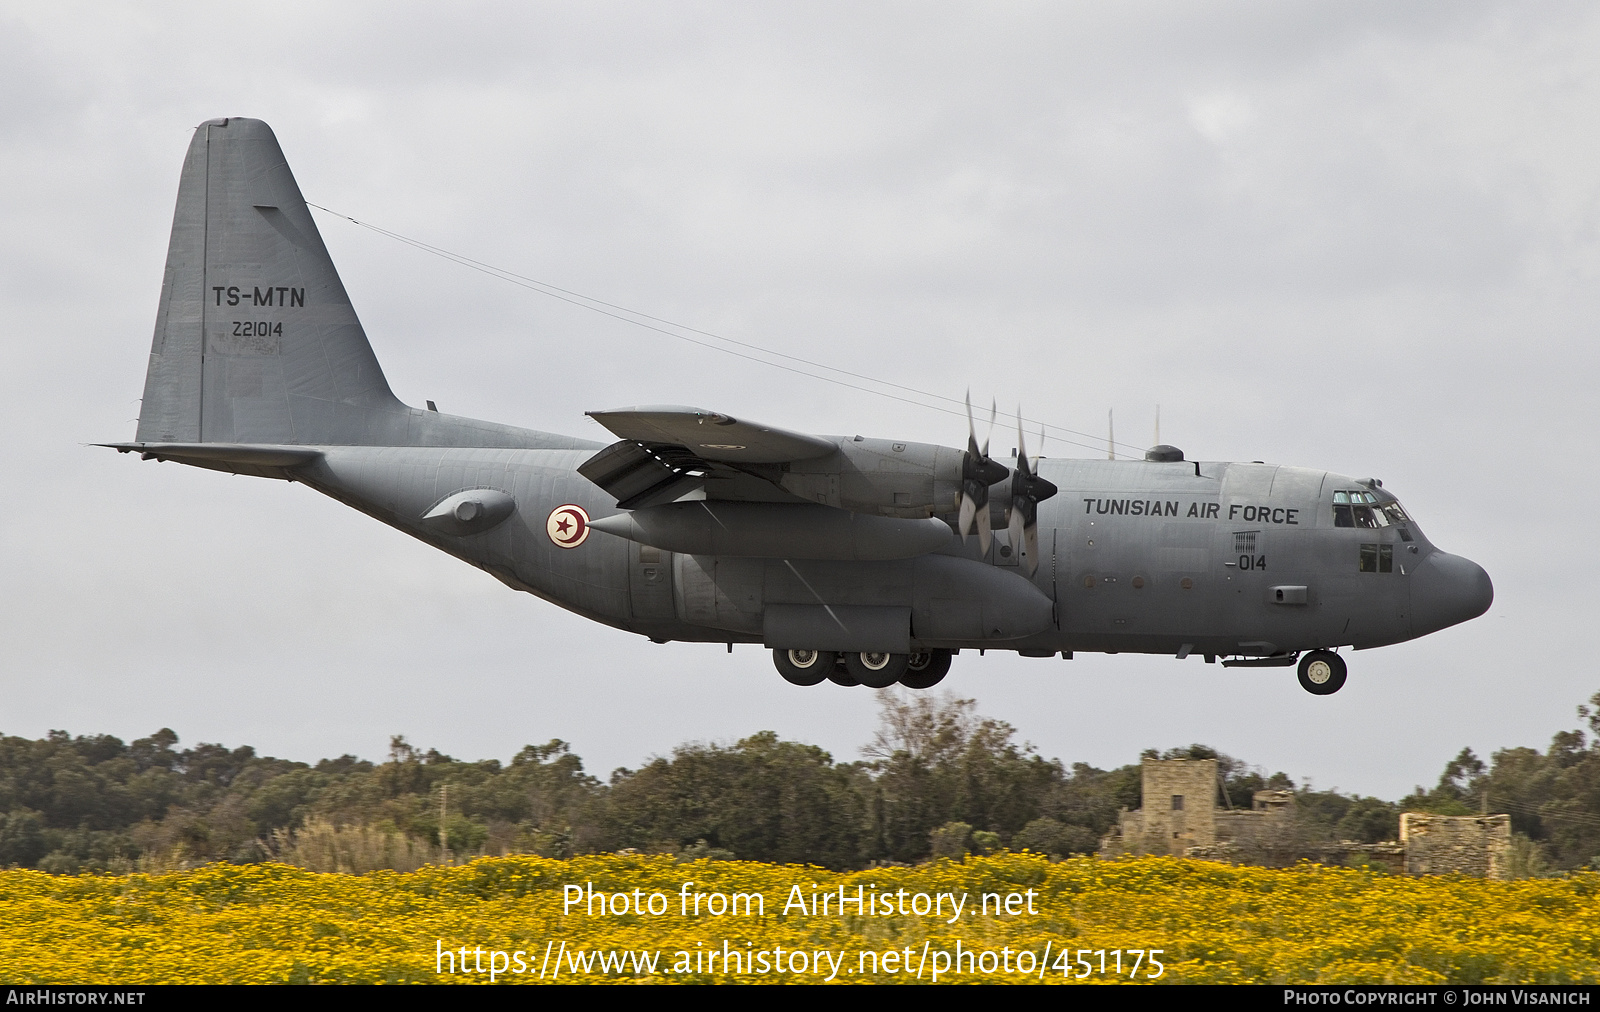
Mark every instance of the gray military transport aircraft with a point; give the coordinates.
(851, 559)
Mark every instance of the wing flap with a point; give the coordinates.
(637, 478)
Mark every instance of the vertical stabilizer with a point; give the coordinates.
(256, 340)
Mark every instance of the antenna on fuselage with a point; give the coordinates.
(1111, 435)
(1158, 426)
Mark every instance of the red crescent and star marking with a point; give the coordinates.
(568, 526)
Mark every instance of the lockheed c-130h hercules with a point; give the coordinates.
(863, 561)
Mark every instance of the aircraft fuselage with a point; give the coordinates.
(1136, 556)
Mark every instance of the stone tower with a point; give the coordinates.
(1179, 810)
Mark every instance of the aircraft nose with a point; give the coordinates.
(1447, 589)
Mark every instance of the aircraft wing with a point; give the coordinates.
(713, 436)
(666, 452)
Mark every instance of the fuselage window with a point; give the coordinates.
(1377, 559)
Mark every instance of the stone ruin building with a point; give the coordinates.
(1180, 815)
(1469, 844)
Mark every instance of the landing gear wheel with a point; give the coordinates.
(876, 670)
(926, 669)
(1322, 672)
(840, 675)
(804, 667)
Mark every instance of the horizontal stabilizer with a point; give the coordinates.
(241, 458)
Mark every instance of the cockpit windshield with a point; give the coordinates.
(1358, 508)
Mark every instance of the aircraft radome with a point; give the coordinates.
(851, 559)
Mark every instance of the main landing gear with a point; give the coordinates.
(927, 669)
(874, 669)
(1322, 672)
(804, 667)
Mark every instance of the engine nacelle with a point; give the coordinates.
(880, 476)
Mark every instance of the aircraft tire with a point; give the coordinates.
(804, 667)
(876, 670)
(926, 669)
(1322, 672)
(840, 675)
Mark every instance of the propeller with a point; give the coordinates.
(1028, 490)
(978, 472)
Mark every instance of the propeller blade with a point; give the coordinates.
(1022, 444)
(972, 429)
(1028, 489)
(1016, 528)
(978, 472)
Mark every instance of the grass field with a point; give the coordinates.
(523, 920)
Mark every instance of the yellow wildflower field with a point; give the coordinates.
(624, 918)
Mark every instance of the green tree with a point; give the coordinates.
(762, 799)
(936, 762)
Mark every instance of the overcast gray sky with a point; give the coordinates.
(1358, 236)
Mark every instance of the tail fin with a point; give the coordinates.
(256, 340)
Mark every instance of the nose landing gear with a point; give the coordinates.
(1322, 672)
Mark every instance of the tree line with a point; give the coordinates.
(937, 779)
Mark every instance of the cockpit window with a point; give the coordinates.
(1355, 497)
(1356, 508)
